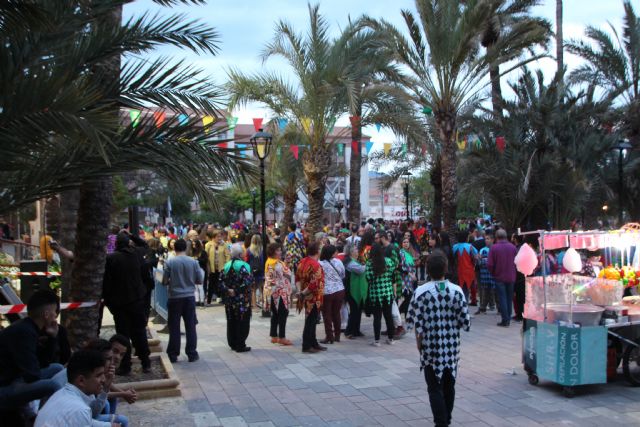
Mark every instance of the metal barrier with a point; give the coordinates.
(160, 294)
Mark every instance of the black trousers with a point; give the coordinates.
(309, 333)
(131, 322)
(279, 316)
(238, 330)
(519, 298)
(212, 285)
(404, 307)
(378, 312)
(442, 394)
(355, 316)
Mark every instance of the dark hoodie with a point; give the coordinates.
(123, 283)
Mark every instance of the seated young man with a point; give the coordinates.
(71, 405)
(22, 379)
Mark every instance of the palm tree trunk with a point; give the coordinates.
(315, 163)
(559, 39)
(496, 92)
(436, 183)
(446, 125)
(290, 197)
(89, 257)
(355, 210)
(68, 222)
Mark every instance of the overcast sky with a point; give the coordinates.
(246, 25)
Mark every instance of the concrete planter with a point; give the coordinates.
(152, 389)
(155, 346)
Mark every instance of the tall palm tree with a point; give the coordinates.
(559, 39)
(312, 103)
(512, 21)
(447, 66)
(60, 123)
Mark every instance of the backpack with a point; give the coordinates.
(255, 263)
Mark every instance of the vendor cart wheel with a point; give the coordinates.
(533, 379)
(631, 364)
(568, 392)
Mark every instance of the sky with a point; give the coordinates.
(245, 26)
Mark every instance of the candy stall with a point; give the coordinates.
(579, 326)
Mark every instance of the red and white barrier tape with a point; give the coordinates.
(21, 308)
(30, 273)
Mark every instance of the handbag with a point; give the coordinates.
(395, 314)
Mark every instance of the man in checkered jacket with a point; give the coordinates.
(438, 312)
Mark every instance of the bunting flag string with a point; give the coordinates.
(257, 124)
(222, 145)
(295, 151)
(159, 117)
(232, 122)
(500, 143)
(242, 151)
(355, 147)
(183, 119)
(387, 148)
(135, 117)
(378, 127)
(306, 125)
(207, 121)
(369, 145)
(282, 124)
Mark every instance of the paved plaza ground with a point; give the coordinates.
(356, 384)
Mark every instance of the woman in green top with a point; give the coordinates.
(379, 273)
(235, 286)
(408, 272)
(356, 286)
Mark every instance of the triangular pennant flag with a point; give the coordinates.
(378, 127)
(183, 119)
(241, 148)
(306, 125)
(355, 147)
(207, 121)
(355, 121)
(369, 145)
(135, 117)
(295, 151)
(257, 124)
(500, 143)
(159, 117)
(232, 122)
(404, 148)
(427, 110)
(340, 149)
(331, 123)
(387, 148)
(282, 124)
(222, 145)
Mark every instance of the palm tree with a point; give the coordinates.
(67, 87)
(559, 39)
(312, 103)
(447, 67)
(512, 21)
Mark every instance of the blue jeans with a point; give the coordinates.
(19, 393)
(109, 415)
(505, 293)
(182, 308)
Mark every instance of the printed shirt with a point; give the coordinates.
(381, 287)
(293, 249)
(333, 276)
(438, 316)
(277, 283)
(407, 269)
(237, 276)
(465, 255)
(310, 275)
(485, 275)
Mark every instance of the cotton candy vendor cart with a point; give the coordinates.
(578, 329)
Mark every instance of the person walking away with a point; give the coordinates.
(438, 312)
(333, 293)
(355, 289)
(354, 239)
(182, 273)
(236, 286)
(408, 273)
(487, 284)
(294, 248)
(519, 286)
(465, 257)
(277, 287)
(502, 267)
(219, 255)
(256, 260)
(124, 295)
(310, 279)
(379, 272)
(21, 377)
(198, 254)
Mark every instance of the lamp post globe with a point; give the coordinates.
(406, 176)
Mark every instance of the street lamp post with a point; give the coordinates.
(253, 195)
(261, 143)
(622, 146)
(406, 176)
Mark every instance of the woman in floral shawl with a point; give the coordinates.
(277, 285)
(236, 286)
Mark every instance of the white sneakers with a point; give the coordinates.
(390, 341)
(376, 343)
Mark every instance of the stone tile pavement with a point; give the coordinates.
(355, 384)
